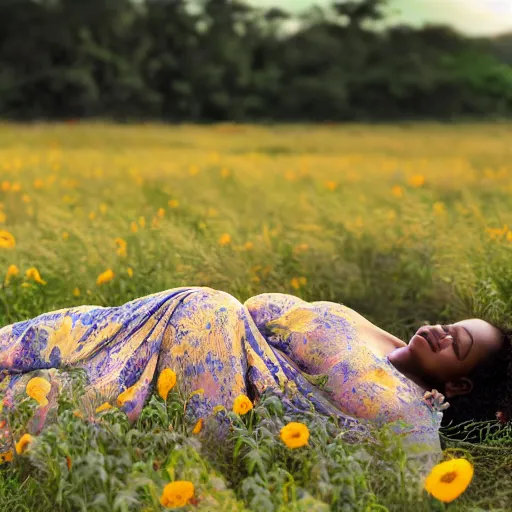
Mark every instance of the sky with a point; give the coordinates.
(473, 17)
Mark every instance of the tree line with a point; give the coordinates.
(216, 60)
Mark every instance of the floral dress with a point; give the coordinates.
(310, 354)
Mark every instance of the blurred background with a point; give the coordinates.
(271, 60)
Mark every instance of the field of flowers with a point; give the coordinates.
(405, 224)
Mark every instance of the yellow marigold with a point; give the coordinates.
(160, 212)
(16, 187)
(38, 389)
(248, 246)
(198, 427)
(12, 271)
(23, 443)
(105, 277)
(397, 191)
(177, 494)
(297, 282)
(121, 247)
(6, 457)
(173, 203)
(449, 479)
(166, 381)
(331, 185)
(225, 239)
(242, 404)
(7, 240)
(129, 271)
(418, 180)
(76, 292)
(295, 435)
(103, 407)
(134, 228)
(33, 273)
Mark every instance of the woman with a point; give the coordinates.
(321, 353)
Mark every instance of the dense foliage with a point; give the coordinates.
(204, 60)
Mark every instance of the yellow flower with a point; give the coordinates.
(23, 443)
(439, 208)
(248, 246)
(121, 247)
(225, 172)
(242, 404)
(198, 427)
(418, 180)
(76, 292)
(212, 212)
(331, 185)
(173, 203)
(103, 407)
(160, 212)
(5, 186)
(7, 240)
(199, 391)
(33, 273)
(166, 381)
(65, 235)
(12, 271)
(78, 414)
(6, 457)
(25, 198)
(297, 282)
(449, 479)
(103, 208)
(92, 215)
(177, 494)
(126, 396)
(295, 435)
(225, 239)
(105, 277)
(38, 389)
(142, 222)
(397, 191)
(16, 187)
(300, 248)
(129, 271)
(134, 228)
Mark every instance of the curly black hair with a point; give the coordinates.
(491, 397)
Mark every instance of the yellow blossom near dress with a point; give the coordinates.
(310, 354)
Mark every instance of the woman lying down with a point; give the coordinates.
(322, 353)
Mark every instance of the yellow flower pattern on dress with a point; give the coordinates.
(166, 381)
(38, 389)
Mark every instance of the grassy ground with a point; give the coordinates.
(405, 224)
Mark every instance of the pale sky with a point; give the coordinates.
(475, 17)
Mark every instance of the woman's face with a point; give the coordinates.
(446, 353)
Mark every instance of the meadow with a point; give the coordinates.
(406, 224)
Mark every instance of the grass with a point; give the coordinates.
(405, 224)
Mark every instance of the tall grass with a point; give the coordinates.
(405, 224)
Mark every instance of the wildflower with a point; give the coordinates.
(129, 271)
(331, 185)
(6, 457)
(23, 443)
(298, 282)
(121, 247)
(225, 239)
(397, 191)
(76, 292)
(103, 407)
(16, 187)
(290, 175)
(12, 271)
(199, 391)
(295, 435)
(212, 212)
(25, 198)
(418, 180)
(439, 208)
(126, 396)
(248, 246)
(38, 389)
(177, 494)
(242, 404)
(198, 427)
(65, 235)
(173, 203)
(33, 273)
(134, 228)
(142, 222)
(161, 213)
(255, 279)
(105, 277)
(300, 248)
(92, 215)
(103, 208)
(78, 414)
(6, 186)
(7, 240)
(225, 173)
(166, 381)
(449, 479)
